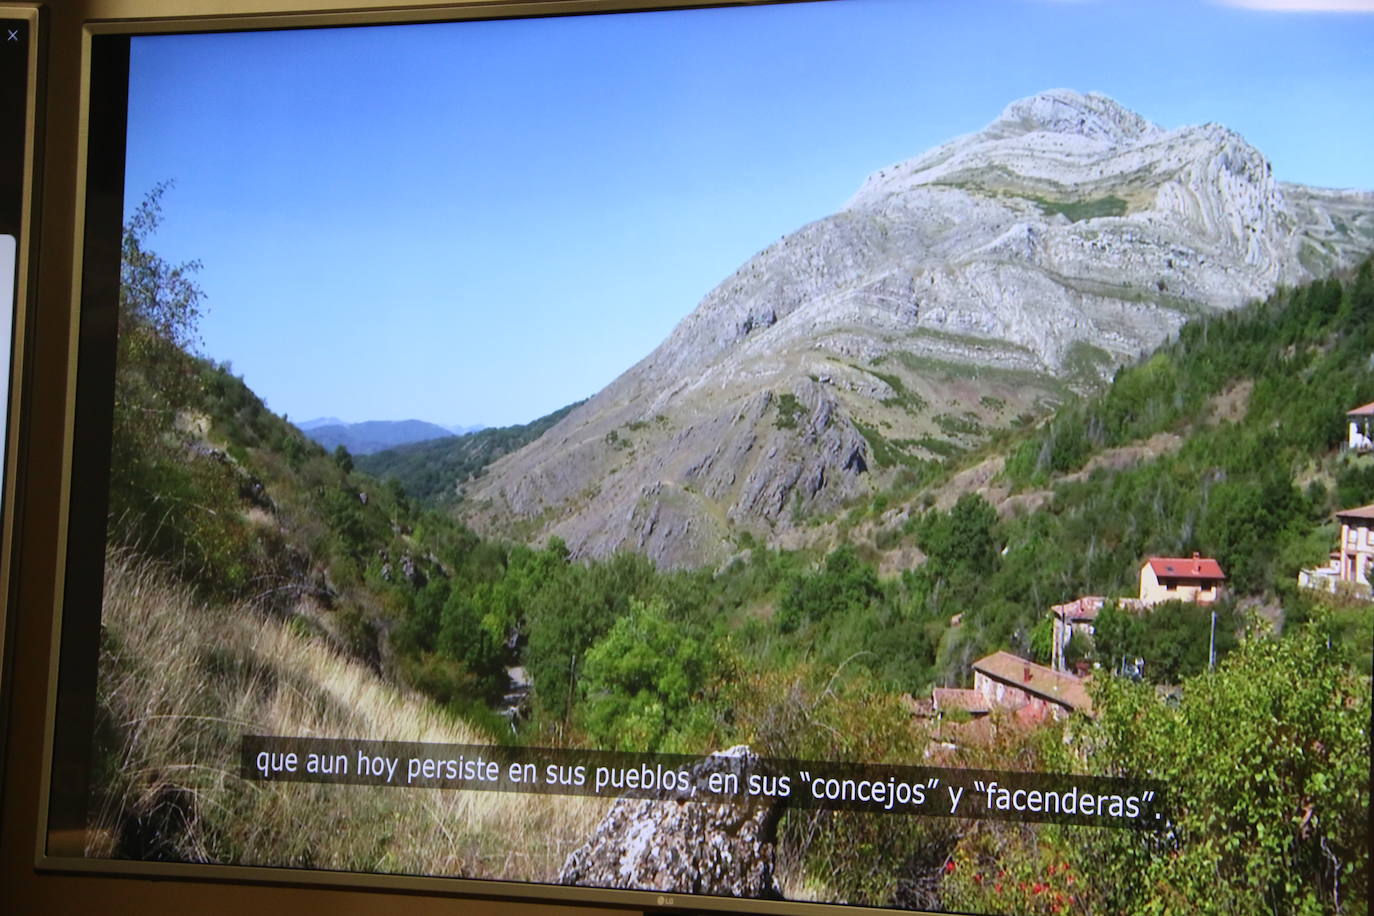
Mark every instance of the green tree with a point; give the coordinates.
(168, 494)
(159, 307)
(155, 295)
(642, 679)
(570, 610)
(1241, 525)
(1173, 638)
(1266, 769)
(343, 459)
(466, 636)
(963, 539)
(1042, 641)
(845, 585)
(1118, 635)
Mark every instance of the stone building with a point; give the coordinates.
(1079, 618)
(1029, 690)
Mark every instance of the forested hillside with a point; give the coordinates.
(1225, 441)
(432, 472)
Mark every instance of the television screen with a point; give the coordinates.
(908, 455)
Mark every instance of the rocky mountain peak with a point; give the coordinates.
(1064, 111)
(956, 292)
(1063, 143)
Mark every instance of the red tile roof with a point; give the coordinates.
(979, 731)
(1364, 410)
(1194, 567)
(1363, 512)
(1085, 608)
(921, 707)
(956, 698)
(1056, 686)
(1089, 606)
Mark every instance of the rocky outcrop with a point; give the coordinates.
(682, 847)
(954, 293)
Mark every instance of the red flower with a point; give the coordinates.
(997, 887)
(949, 866)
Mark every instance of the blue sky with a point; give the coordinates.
(480, 222)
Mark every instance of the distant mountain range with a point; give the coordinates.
(376, 435)
(436, 470)
(968, 289)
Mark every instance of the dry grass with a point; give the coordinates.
(180, 683)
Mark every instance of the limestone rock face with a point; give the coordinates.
(954, 293)
(682, 847)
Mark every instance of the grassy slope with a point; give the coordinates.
(170, 742)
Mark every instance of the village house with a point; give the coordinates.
(1078, 618)
(965, 704)
(953, 717)
(1348, 569)
(1361, 421)
(959, 700)
(1357, 545)
(1197, 579)
(1032, 692)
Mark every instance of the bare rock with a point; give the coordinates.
(955, 292)
(684, 847)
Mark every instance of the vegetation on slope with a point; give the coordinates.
(1305, 351)
(181, 681)
(1265, 763)
(1254, 488)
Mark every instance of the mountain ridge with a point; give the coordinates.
(371, 436)
(435, 470)
(963, 290)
